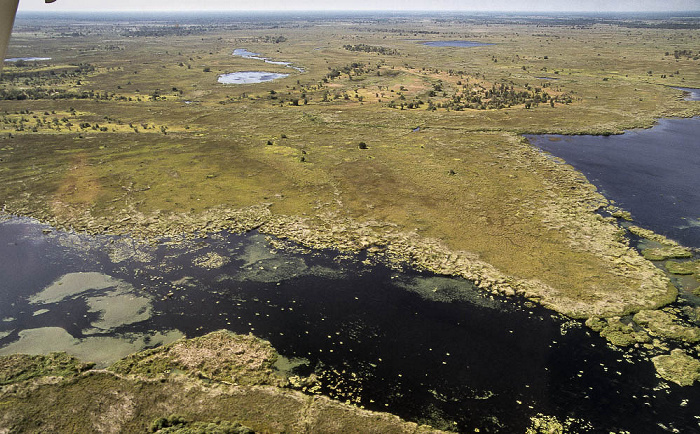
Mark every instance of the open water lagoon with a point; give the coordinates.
(426, 347)
(653, 173)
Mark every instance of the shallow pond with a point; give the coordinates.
(26, 59)
(461, 44)
(422, 346)
(653, 173)
(242, 52)
(248, 77)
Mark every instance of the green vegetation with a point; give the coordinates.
(688, 267)
(678, 367)
(180, 425)
(371, 49)
(21, 367)
(136, 136)
(186, 400)
(158, 146)
(668, 252)
(664, 324)
(220, 356)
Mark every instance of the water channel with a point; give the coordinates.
(425, 347)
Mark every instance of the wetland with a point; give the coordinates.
(375, 215)
(249, 77)
(650, 173)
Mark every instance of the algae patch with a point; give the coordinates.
(544, 424)
(98, 349)
(617, 332)
(651, 235)
(116, 305)
(73, 284)
(447, 290)
(118, 308)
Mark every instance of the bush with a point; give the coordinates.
(166, 422)
(362, 145)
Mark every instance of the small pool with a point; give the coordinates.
(455, 44)
(249, 77)
(242, 52)
(26, 59)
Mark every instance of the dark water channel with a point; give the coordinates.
(653, 173)
(422, 346)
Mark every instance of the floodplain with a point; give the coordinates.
(371, 141)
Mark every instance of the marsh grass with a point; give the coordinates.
(178, 142)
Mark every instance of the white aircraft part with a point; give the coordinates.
(8, 9)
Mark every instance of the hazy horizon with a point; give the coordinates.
(588, 6)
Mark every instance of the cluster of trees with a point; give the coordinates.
(459, 93)
(499, 96)
(32, 76)
(45, 93)
(26, 120)
(354, 68)
(372, 49)
(688, 54)
(272, 39)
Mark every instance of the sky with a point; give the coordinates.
(424, 5)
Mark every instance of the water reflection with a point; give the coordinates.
(425, 347)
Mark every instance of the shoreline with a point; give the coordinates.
(576, 215)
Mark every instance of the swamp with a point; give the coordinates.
(350, 222)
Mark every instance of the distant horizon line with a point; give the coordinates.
(516, 11)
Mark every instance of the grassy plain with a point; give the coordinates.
(146, 138)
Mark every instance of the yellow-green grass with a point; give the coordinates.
(465, 179)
